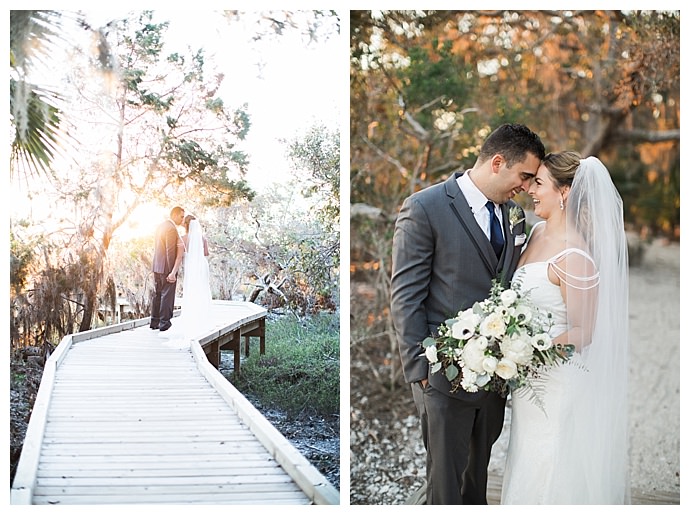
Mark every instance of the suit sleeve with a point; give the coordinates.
(413, 253)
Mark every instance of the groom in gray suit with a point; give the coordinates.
(444, 258)
(167, 259)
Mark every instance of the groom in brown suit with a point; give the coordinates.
(444, 259)
(167, 258)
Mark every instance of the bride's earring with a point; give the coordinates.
(562, 206)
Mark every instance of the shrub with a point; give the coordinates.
(300, 372)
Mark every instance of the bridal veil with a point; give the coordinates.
(592, 461)
(196, 291)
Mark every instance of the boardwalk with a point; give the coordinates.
(129, 415)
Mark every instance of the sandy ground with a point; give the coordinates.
(654, 371)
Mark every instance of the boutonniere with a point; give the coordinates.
(515, 216)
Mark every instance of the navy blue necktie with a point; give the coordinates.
(496, 232)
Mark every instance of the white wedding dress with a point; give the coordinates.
(193, 321)
(576, 452)
(532, 474)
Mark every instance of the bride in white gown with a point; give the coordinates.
(575, 264)
(196, 290)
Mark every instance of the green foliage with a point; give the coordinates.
(34, 115)
(650, 200)
(435, 76)
(294, 255)
(188, 129)
(313, 283)
(55, 286)
(22, 255)
(317, 154)
(300, 372)
(584, 80)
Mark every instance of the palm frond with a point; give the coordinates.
(34, 113)
(38, 135)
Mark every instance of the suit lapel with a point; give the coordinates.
(465, 216)
(509, 238)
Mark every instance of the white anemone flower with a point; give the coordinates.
(523, 315)
(505, 311)
(463, 329)
(541, 341)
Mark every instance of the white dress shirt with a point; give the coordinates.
(477, 201)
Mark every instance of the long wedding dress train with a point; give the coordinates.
(196, 291)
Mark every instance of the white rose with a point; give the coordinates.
(463, 329)
(473, 355)
(431, 353)
(508, 297)
(489, 364)
(517, 348)
(506, 369)
(481, 342)
(541, 341)
(493, 325)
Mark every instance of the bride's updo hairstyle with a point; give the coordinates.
(562, 166)
(187, 220)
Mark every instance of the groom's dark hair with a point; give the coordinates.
(513, 141)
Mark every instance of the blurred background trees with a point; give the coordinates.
(428, 86)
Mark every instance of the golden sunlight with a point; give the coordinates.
(143, 222)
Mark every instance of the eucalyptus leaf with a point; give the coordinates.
(428, 342)
(451, 372)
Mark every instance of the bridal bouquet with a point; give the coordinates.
(499, 344)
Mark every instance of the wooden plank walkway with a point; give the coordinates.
(125, 414)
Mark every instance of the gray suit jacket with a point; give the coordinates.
(442, 263)
(165, 250)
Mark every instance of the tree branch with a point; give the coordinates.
(650, 136)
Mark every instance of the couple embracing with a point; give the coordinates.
(171, 253)
(451, 241)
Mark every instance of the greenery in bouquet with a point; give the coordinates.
(500, 344)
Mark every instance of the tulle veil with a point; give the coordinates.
(196, 290)
(593, 461)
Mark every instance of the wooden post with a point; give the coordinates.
(213, 354)
(262, 336)
(256, 329)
